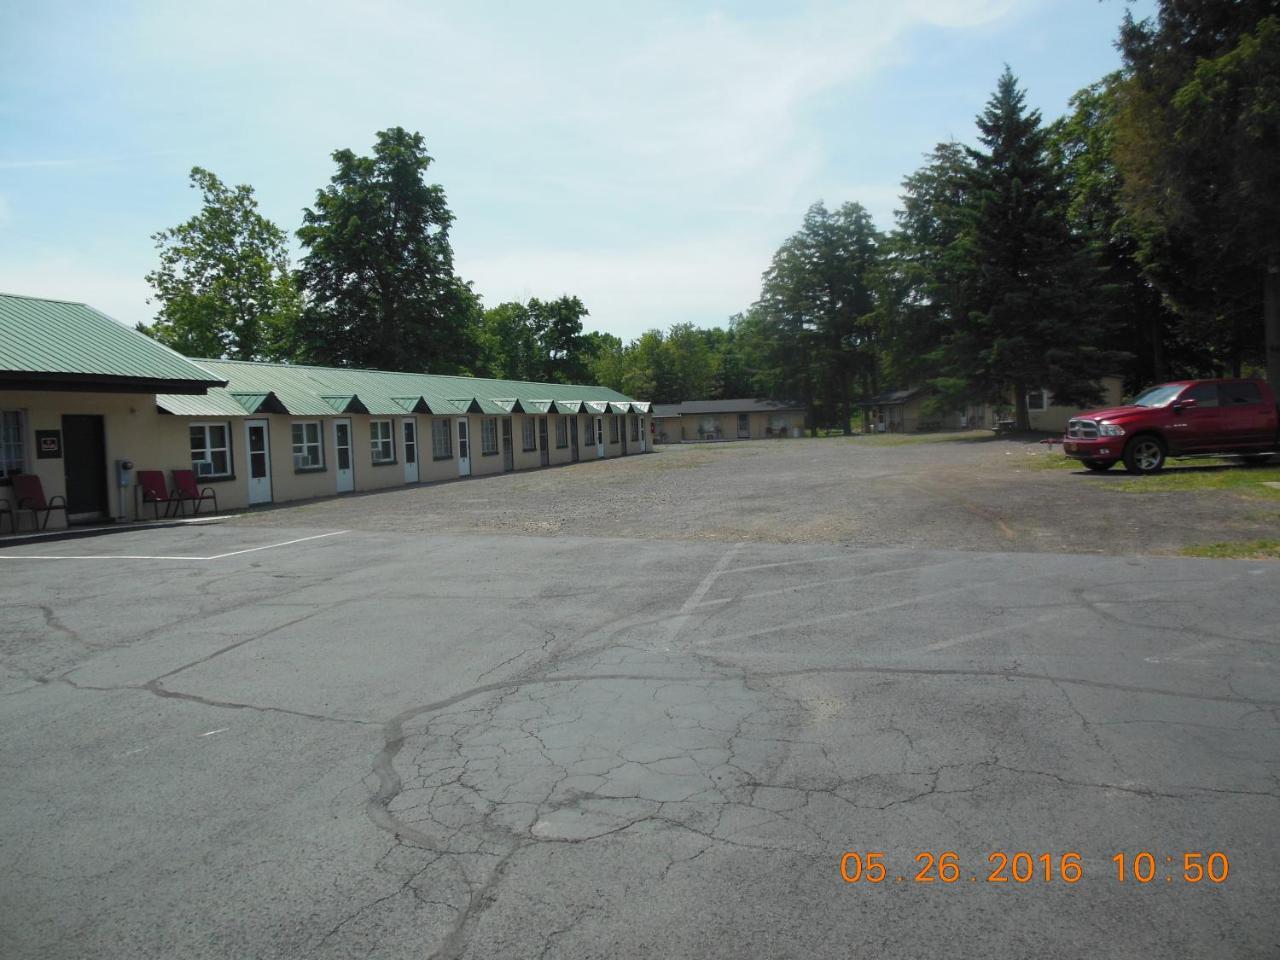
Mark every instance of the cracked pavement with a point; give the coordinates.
(466, 746)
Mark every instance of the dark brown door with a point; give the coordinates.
(545, 454)
(508, 451)
(84, 462)
(573, 438)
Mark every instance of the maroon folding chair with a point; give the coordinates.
(152, 490)
(30, 494)
(187, 490)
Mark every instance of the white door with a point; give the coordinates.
(410, 450)
(464, 449)
(600, 437)
(345, 472)
(256, 436)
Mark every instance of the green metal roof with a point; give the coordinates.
(48, 344)
(327, 391)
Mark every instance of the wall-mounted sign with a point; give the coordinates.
(48, 444)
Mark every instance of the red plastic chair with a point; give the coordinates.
(153, 491)
(188, 490)
(30, 494)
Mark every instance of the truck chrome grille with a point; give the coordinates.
(1082, 429)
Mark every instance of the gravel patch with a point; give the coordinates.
(981, 494)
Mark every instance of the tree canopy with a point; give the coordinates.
(378, 272)
(1197, 149)
(223, 286)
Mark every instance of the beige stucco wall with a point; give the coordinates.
(1054, 418)
(684, 428)
(135, 429)
(132, 429)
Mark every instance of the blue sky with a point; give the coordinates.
(647, 158)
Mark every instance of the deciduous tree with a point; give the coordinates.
(378, 272)
(223, 286)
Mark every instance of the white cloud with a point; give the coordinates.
(629, 291)
(611, 152)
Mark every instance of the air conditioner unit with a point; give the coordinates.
(204, 468)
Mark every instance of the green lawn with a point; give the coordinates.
(1237, 550)
(1205, 475)
(1210, 473)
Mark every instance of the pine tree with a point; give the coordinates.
(1026, 282)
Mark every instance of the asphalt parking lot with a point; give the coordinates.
(281, 735)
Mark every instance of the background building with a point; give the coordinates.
(908, 411)
(743, 419)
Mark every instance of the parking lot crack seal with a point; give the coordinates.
(154, 687)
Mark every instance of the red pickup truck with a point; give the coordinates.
(1186, 418)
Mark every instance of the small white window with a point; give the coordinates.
(528, 435)
(562, 431)
(308, 451)
(13, 448)
(441, 440)
(211, 450)
(382, 442)
(488, 436)
(1038, 400)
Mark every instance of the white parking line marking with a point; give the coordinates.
(139, 556)
(984, 634)
(212, 732)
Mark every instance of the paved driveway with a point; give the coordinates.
(389, 744)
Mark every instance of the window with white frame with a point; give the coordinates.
(778, 423)
(613, 428)
(488, 436)
(441, 440)
(13, 448)
(308, 450)
(211, 450)
(635, 426)
(528, 434)
(1037, 399)
(562, 431)
(381, 441)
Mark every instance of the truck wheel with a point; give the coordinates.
(1145, 453)
(1098, 466)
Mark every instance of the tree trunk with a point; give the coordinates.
(1021, 414)
(1158, 372)
(846, 406)
(1271, 321)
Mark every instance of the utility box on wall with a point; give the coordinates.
(124, 480)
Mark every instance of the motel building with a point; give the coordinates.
(86, 403)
